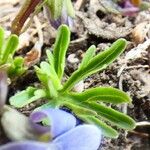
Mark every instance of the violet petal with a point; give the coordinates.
(60, 121)
(63, 19)
(128, 9)
(28, 145)
(3, 88)
(83, 137)
(55, 23)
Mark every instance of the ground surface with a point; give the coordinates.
(131, 72)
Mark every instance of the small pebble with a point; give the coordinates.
(79, 87)
(72, 59)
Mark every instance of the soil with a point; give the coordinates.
(130, 72)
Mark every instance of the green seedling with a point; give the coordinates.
(8, 47)
(90, 105)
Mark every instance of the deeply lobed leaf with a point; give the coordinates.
(97, 63)
(87, 105)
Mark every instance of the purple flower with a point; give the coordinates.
(64, 15)
(128, 9)
(63, 130)
(3, 88)
(63, 19)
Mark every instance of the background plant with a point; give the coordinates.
(90, 105)
(57, 11)
(8, 47)
(125, 7)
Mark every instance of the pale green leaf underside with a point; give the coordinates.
(25, 97)
(102, 94)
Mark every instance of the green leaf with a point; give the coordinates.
(69, 8)
(50, 58)
(119, 119)
(87, 57)
(97, 63)
(145, 5)
(49, 70)
(102, 94)
(17, 67)
(43, 77)
(60, 48)
(52, 89)
(10, 47)
(46, 81)
(49, 79)
(106, 130)
(1, 38)
(27, 96)
(77, 109)
(55, 7)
